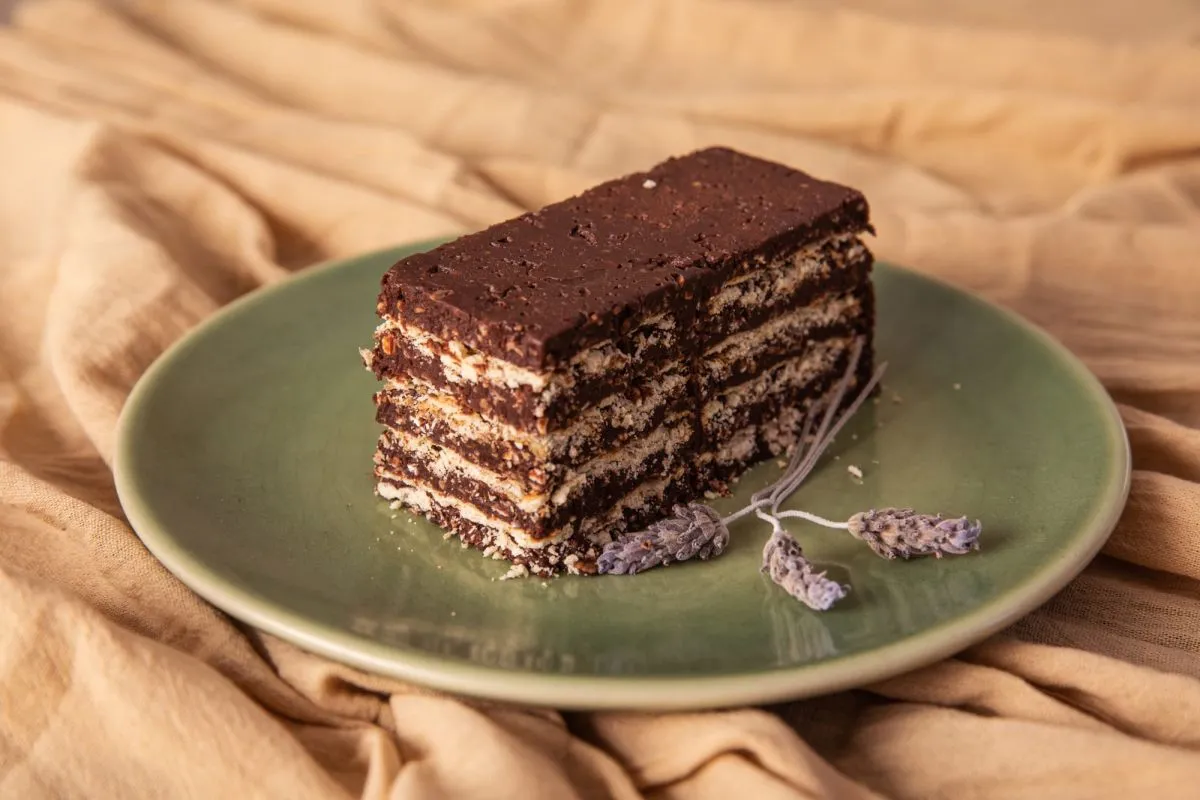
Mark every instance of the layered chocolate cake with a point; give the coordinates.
(570, 374)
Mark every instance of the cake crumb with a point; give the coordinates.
(781, 463)
(454, 613)
(649, 184)
(854, 437)
(517, 571)
(897, 399)
(855, 471)
(446, 535)
(957, 386)
(709, 494)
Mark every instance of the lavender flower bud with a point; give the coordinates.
(630, 554)
(695, 531)
(902, 532)
(784, 561)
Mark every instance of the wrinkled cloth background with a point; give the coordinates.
(158, 159)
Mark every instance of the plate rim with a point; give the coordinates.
(592, 692)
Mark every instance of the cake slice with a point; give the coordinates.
(564, 376)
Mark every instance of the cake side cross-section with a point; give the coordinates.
(564, 376)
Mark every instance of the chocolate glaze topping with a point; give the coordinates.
(537, 288)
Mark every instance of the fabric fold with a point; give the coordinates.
(163, 159)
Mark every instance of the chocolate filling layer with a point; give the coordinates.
(745, 369)
(596, 495)
(519, 407)
(737, 319)
(502, 455)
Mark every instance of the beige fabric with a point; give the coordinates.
(162, 158)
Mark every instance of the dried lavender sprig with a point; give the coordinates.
(784, 561)
(698, 530)
(902, 532)
(694, 531)
(889, 532)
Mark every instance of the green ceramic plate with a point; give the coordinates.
(244, 463)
